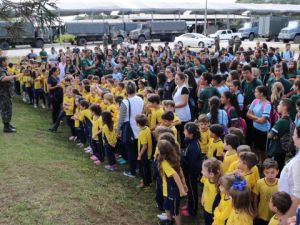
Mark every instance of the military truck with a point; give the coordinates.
(94, 31)
(249, 30)
(34, 36)
(163, 30)
(291, 32)
(269, 26)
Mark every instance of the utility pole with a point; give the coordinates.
(205, 18)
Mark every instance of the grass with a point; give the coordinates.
(47, 180)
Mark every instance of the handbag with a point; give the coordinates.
(127, 133)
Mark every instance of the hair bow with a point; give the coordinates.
(238, 184)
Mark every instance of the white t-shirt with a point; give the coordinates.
(183, 113)
(137, 107)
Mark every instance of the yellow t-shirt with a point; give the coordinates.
(229, 158)
(93, 99)
(265, 191)
(176, 118)
(141, 91)
(114, 111)
(120, 93)
(250, 179)
(68, 104)
(215, 148)
(27, 81)
(204, 141)
(209, 194)
(234, 165)
(168, 171)
(11, 70)
(76, 121)
(85, 115)
(145, 138)
(274, 220)
(222, 212)
(97, 125)
(38, 83)
(108, 136)
(155, 117)
(236, 218)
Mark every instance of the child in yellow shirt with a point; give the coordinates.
(264, 189)
(156, 111)
(203, 123)
(169, 106)
(141, 86)
(211, 172)
(110, 105)
(167, 121)
(215, 146)
(223, 210)
(231, 143)
(39, 89)
(28, 84)
(242, 212)
(109, 138)
(120, 90)
(97, 143)
(280, 203)
(144, 149)
(246, 161)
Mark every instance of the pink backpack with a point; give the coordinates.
(274, 116)
(241, 124)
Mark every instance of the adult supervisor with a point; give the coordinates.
(6, 93)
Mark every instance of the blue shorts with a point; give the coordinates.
(172, 205)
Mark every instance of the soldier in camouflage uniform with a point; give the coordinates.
(6, 93)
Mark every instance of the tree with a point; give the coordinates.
(37, 12)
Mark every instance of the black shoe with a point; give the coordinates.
(8, 129)
(12, 126)
(52, 129)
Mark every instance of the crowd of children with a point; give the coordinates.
(240, 186)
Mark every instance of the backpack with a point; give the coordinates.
(274, 116)
(241, 124)
(286, 140)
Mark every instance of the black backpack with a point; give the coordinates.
(286, 140)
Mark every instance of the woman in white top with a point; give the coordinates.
(136, 107)
(290, 177)
(181, 100)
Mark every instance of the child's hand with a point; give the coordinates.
(183, 193)
(139, 158)
(185, 188)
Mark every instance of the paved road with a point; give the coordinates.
(21, 51)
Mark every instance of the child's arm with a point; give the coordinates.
(179, 184)
(183, 180)
(143, 150)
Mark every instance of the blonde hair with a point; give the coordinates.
(255, 72)
(109, 97)
(277, 91)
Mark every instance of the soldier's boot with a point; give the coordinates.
(8, 129)
(12, 126)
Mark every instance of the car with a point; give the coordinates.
(225, 35)
(194, 40)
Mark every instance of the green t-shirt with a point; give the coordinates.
(286, 84)
(248, 89)
(205, 95)
(280, 127)
(131, 75)
(43, 55)
(85, 62)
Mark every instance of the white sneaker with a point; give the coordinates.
(35, 106)
(43, 106)
(87, 148)
(89, 151)
(75, 138)
(71, 138)
(162, 216)
(24, 99)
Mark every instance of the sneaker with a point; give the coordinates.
(141, 185)
(185, 213)
(35, 106)
(75, 138)
(43, 106)
(128, 174)
(97, 162)
(162, 216)
(94, 158)
(81, 145)
(89, 151)
(184, 207)
(24, 99)
(87, 148)
(121, 161)
(110, 168)
(71, 138)
(52, 129)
